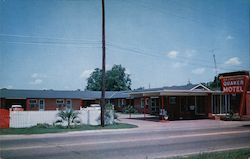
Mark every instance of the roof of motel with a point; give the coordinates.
(184, 88)
(91, 95)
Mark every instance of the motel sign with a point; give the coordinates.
(233, 85)
(236, 85)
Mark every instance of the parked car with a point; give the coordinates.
(96, 106)
(16, 108)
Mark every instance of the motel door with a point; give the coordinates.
(174, 109)
(41, 104)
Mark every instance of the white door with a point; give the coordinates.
(41, 104)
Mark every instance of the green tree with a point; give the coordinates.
(116, 79)
(94, 81)
(213, 85)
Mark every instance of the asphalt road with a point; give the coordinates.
(138, 144)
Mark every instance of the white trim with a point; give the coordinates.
(200, 85)
(142, 101)
(154, 97)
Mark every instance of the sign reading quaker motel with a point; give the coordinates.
(233, 85)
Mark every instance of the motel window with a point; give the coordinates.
(33, 102)
(121, 102)
(154, 104)
(60, 102)
(221, 104)
(172, 100)
(142, 102)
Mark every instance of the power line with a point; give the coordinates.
(191, 19)
(50, 43)
(48, 38)
(162, 57)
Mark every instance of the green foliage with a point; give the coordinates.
(213, 85)
(231, 117)
(94, 81)
(109, 106)
(43, 125)
(130, 110)
(70, 116)
(116, 79)
(109, 114)
(60, 129)
(234, 154)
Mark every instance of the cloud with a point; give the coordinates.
(86, 73)
(198, 71)
(38, 75)
(172, 54)
(9, 87)
(233, 61)
(37, 78)
(229, 37)
(190, 53)
(34, 75)
(36, 81)
(178, 64)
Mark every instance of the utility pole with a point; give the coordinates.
(216, 71)
(103, 66)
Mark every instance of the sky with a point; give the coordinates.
(56, 44)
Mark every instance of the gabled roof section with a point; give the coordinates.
(184, 87)
(195, 89)
(200, 87)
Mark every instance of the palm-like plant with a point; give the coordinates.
(68, 115)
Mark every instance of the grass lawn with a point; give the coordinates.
(39, 130)
(233, 154)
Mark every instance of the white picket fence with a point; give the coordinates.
(21, 119)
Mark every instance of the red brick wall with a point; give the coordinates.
(50, 104)
(248, 104)
(76, 104)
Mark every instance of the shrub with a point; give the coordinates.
(130, 110)
(70, 116)
(43, 125)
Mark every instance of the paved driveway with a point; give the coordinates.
(150, 123)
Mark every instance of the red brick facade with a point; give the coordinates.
(50, 104)
(248, 104)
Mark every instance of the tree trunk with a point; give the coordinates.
(68, 122)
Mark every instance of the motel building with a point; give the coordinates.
(175, 103)
(184, 102)
(197, 101)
